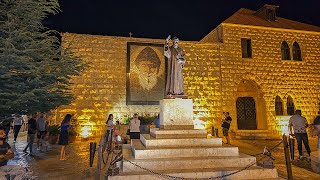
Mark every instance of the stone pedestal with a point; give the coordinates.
(315, 161)
(179, 150)
(176, 114)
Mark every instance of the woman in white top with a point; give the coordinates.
(134, 127)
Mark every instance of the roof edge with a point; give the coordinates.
(271, 28)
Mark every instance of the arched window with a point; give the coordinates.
(278, 106)
(285, 51)
(290, 106)
(296, 52)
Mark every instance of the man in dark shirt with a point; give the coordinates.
(226, 126)
(6, 152)
(32, 129)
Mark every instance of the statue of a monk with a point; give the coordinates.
(176, 60)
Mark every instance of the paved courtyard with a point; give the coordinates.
(48, 166)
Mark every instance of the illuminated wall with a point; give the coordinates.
(272, 75)
(101, 88)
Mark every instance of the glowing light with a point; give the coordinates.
(85, 131)
(199, 121)
(86, 127)
(198, 124)
(282, 124)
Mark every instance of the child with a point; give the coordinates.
(117, 134)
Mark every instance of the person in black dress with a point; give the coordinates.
(64, 136)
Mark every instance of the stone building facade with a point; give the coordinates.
(254, 65)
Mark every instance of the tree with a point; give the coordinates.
(35, 71)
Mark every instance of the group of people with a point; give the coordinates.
(37, 125)
(15, 123)
(297, 128)
(133, 129)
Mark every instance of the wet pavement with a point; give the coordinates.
(301, 169)
(47, 166)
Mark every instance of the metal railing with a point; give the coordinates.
(107, 156)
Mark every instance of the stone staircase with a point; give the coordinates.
(256, 134)
(187, 154)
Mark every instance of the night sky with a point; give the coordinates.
(187, 19)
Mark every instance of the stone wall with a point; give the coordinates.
(101, 88)
(273, 76)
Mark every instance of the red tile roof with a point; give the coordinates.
(247, 17)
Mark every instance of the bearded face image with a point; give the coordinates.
(148, 64)
(148, 74)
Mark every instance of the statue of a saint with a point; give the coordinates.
(176, 60)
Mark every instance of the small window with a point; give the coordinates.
(296, 52)
(290, 106)
(271, 14)
(246, 48)
(278, 106)
(285, 51)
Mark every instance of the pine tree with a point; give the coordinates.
(35, 70)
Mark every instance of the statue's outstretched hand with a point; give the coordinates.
(168, 39)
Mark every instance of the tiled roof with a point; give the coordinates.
(247, 17)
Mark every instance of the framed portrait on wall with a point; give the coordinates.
(145, 73)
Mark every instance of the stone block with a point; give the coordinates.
(176, 113)
(184, 163)
(149, 141)
(141, 152)
(204, 173)
(175, 134)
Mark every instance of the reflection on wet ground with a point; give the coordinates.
(46, 165)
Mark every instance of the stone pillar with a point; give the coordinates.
(176, 114)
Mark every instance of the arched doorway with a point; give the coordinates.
(246, 113)
(250, 106)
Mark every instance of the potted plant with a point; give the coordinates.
(53, 134)
(72, 135)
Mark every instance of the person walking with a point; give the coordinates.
(299, 124)
(134, 127)
(64, 136)
(226, 126)
(41, 130)
(17, 123)
(32, 129)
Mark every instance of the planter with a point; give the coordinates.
(52, 139)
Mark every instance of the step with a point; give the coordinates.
(176, 134)
(184, 163)
(250, 173)
(149, 141)
(141, 152)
